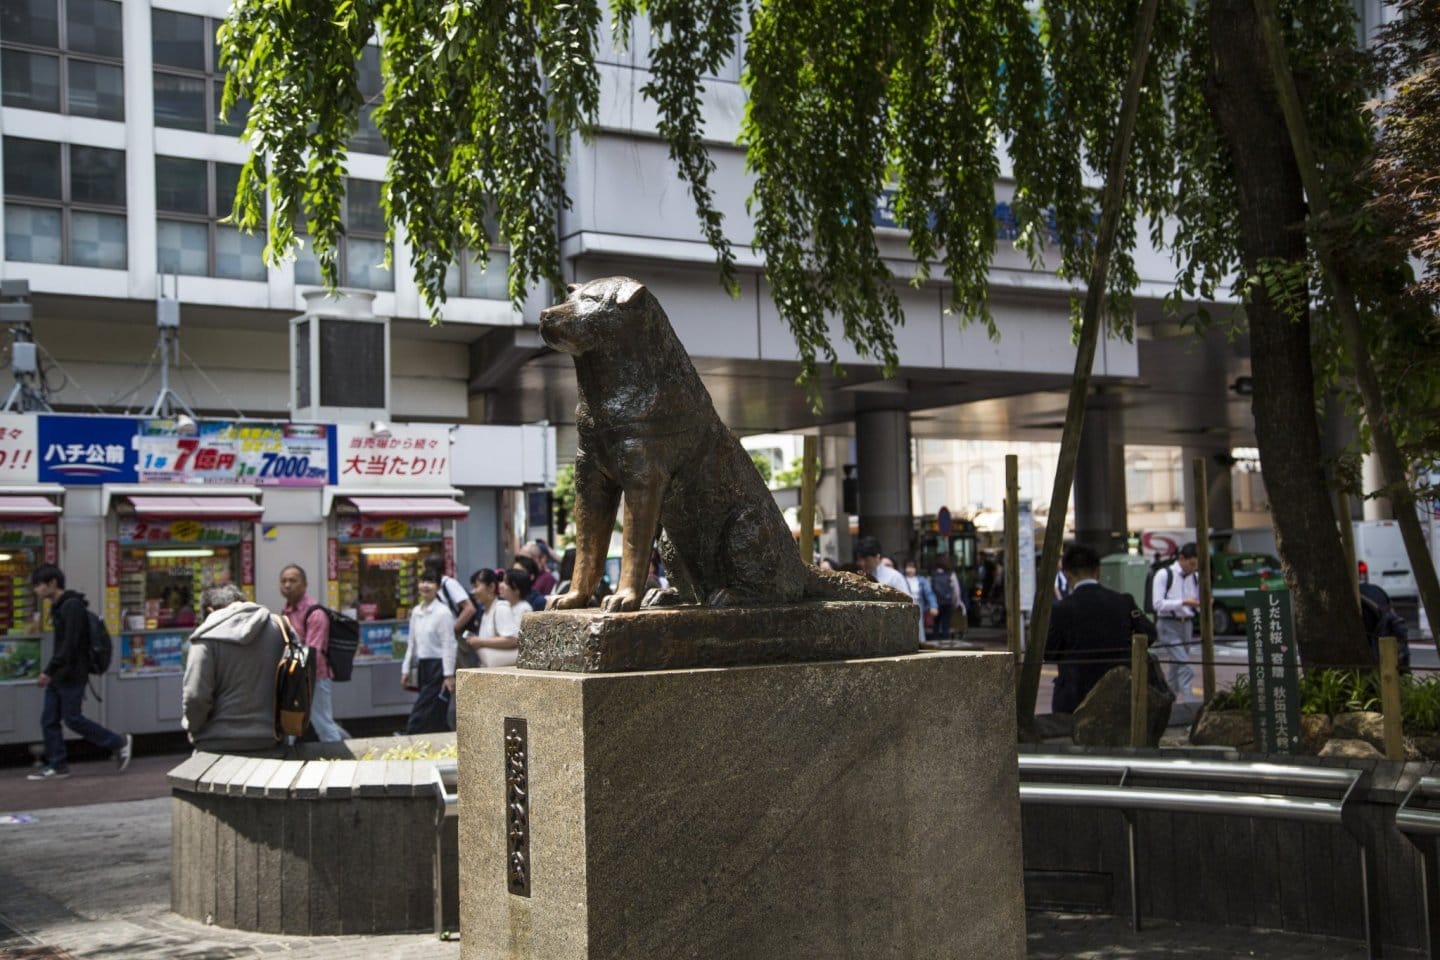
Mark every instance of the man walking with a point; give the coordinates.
(1090, 629)
(1175, 595)
(65, 677)
(314, 630)
(228, 703)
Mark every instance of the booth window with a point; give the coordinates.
(192, 197)
(160, 587)
(378, 580)
(64, 203)
(63, 56)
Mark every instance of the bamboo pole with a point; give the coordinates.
(1139, 688)
(1390, 698)
(1207, 591)
(1013, 620)
(1392, 465)
(1090, 323)
(811, 454)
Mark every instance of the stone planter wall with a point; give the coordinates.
(308, 847)
(1239, 871)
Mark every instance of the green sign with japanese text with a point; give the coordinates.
(1274, 671)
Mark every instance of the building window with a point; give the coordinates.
(189, 79)
(64, 203)
(191, 198)
(63, 56)
(466, 279)
(362, 248)
(367, 137)
(978, 480)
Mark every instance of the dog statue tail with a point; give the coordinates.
(839, 585)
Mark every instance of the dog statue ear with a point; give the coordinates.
(629, 292)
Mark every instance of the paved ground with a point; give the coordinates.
(83, 881)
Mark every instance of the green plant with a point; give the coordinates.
(1237, 697)
(1322, 691)
(1420, 704)
(418, 750)
(1362, 690)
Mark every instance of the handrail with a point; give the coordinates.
(1210, 769)
(1307, 809)
(447, 805)
(1419, 819)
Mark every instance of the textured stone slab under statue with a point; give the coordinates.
(753, 764)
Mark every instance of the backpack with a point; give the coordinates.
(450, 600)
(1150, 585)
(940, 584)
(102, 649)
(294, 685)
(342, 640)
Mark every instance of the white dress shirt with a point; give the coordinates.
(432, 636)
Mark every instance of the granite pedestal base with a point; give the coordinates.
(813, 811)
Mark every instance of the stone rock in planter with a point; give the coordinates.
(1103, 718)
(1364, 725)
(1428, 746)
(1222, 728)
(1316, 729)
(1349, 748)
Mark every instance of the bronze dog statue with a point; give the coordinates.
(648, 430)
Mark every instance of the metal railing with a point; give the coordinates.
(1126, 798)
(447, 806)
(1421, 826)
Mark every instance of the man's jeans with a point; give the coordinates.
(1175, 638)
(322, 713)
(63, 704)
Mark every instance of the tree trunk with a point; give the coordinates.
(1240, 93)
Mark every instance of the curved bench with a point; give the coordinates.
(310, 846)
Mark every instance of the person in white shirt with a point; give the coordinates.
(870, 562)
(1175, 596)
(431, 652)
(502, 594)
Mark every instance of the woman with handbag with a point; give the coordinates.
(502, 594)
(431, 652)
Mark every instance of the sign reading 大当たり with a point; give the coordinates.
(1274, 672)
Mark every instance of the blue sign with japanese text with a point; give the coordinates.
(86, 450)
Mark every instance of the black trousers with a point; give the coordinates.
(432, 706)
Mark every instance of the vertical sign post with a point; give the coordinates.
(1013, 622)
(1274, 673)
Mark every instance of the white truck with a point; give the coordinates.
(1381, 557)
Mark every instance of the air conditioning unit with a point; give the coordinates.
(339, 359)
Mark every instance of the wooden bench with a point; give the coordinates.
(1169, 785)
(309, 847)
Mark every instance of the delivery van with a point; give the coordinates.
(1380, 555)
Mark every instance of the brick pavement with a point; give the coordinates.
(94, 882)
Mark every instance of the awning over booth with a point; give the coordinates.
(28, 508)
(443, 507)
(175, 506)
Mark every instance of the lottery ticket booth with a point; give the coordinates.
(378, 542)
(165, 544)
(29, 518)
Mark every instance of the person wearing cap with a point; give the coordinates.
(872, 564)
(1175, 596)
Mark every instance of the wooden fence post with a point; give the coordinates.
(1207, 594)
(807, 499)
(1390, 698)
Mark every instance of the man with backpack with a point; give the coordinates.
(312, 624)
(67, 673)
(1175, 600)
(228, 698)
(946, 588)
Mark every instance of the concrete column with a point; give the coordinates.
(1221, 496)
(1372, 479)
(1339, 435)
(882, 449)
(835, 543)
(1100, 519)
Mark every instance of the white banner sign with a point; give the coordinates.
(406, 455)
(18, 442)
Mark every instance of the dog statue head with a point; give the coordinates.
(589, 316)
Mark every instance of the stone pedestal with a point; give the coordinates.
(846, 809)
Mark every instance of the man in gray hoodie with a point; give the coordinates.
(229, 692)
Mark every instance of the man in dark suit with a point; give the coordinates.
(1090, 629)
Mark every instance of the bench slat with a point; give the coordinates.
(279, 784)
(217, 778)
(191, 770)
(312, 776)
(370, 779)
(340, 785)
(1200, 801)
(241, 776)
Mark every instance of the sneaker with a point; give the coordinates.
(122, 756)
(49, 773)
